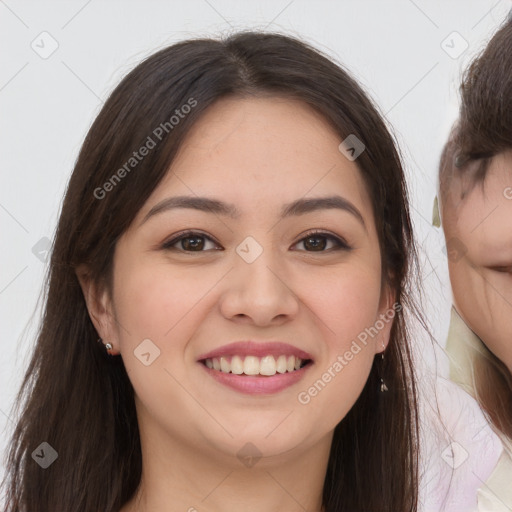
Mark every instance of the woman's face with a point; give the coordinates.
(255, 276)
(478, 231)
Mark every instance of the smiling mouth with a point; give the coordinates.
(266, 366)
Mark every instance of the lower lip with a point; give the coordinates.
(258, 385)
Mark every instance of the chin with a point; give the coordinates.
(257, 443)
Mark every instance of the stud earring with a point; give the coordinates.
(108, 345)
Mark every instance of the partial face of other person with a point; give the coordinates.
(478, 231)
(258, 279)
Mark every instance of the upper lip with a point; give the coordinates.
(256, 348)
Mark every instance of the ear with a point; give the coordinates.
(387, 312)
(99, 307)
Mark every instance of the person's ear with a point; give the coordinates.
(99, 306)
(388, 308)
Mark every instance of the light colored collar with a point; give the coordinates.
(463, 347)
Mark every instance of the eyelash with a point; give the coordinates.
(340, 243)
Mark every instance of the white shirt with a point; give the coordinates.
(462, 347)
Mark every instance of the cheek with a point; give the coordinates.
(481, 297)
(496, 332)
(154, 303)
(475, 290)
(145, 304)
(468, 292)
(347, 301)
(153, 299)
(347, 307)
(337, 382)
(460, 276)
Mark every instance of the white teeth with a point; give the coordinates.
(281, 364)
(224, 365)
(252, 365)
(237, 365)
(268, 365)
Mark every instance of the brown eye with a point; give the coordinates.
(191, 241)
(317, 241)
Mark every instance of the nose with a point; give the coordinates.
(260, 292)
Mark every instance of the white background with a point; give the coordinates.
(395, 49)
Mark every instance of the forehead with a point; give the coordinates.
(271, 148)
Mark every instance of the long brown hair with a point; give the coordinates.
(82, 403)
(484, 130)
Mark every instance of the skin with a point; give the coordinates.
(481, 266)
(249, 152)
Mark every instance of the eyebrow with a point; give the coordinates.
(299, 207)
